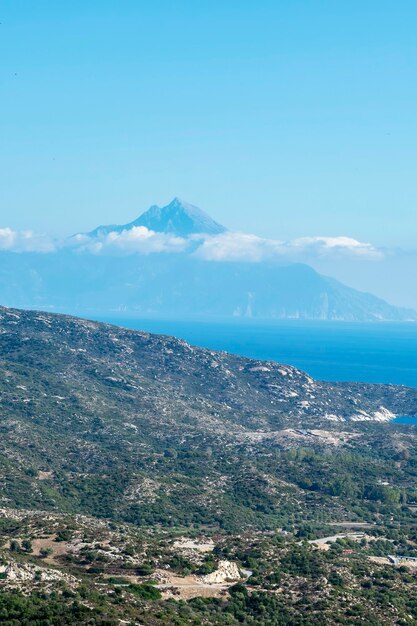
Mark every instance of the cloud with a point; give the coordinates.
(227, 246)
(138, 239)
(330, 246)
(231, 246)
(25, 241)
(234, 246)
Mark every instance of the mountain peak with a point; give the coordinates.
(178, 218)
(178, 202)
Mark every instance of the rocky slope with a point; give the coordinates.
(165, 380)
(123, 423)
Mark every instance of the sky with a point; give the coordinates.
(286, 119)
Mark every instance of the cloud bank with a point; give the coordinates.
(138, 239)
(231, 246)
(25, 241)
(325, 246)
(225, 247)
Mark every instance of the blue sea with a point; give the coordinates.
(337, 351)
(405, 419)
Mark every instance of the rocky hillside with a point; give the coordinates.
(92, 369)
(119, 422)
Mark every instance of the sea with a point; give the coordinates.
(335, 351)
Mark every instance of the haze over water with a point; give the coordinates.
(338, 351)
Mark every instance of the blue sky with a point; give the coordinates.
(282, 118)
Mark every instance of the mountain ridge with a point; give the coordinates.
(183, 286)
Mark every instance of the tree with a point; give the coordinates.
(44, 552)
(14, 546)
(27, 545)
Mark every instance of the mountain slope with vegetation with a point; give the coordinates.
(146, 481)
(132, 425)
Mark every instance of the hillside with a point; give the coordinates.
(120, 419)
(147, 481)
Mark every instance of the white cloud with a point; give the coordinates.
(137, 239)
(24, 241)
(227, 246)
(346, 246)
(231, 246)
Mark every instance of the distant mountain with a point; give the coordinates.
(178, 218)
(181, 286)
(170, 283)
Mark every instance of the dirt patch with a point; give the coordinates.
(45, 475)
(187, 592)
(187, 587)
(381, 560)
(58, 548)
(324, 542)
(189, 544)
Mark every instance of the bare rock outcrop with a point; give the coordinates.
(226, 572)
